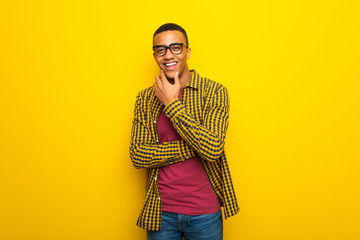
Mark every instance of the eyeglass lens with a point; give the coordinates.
(174, 48)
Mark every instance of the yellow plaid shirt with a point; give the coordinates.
(201, 118)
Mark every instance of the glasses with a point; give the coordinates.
(175, 48)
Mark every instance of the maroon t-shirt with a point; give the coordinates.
(184, 186)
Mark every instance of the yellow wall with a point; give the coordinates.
(70, 72)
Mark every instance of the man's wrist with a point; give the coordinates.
(169, 101)
(173, 108)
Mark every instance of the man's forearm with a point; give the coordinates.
(157, 155)
(208, 143)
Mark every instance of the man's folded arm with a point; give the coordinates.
(208, 138)
(145, 152)
(158, 155)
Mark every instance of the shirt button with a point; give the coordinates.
(167, 115)
(170, 162)
(159, 198)
(157, 140)
(155, 178)
(161, 104)
(155, 121)
(178, 131)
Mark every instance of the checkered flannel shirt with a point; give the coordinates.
(201, 118)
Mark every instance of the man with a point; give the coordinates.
(178, 136)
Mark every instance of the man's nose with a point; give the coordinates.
(168, 54)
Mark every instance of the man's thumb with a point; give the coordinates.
(176, 77)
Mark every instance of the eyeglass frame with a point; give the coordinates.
(168, 47)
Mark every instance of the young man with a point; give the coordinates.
(178, 136)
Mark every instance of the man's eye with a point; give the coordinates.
(176, 48)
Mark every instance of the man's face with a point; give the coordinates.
(170, 62)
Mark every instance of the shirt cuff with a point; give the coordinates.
(185, 150)
(173, 108)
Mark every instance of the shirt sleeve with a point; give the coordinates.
(145, 152)
(207, 139)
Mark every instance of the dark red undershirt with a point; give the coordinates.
(184, 186)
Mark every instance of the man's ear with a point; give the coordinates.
(188, 53)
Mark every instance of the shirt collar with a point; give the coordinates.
(194, 81)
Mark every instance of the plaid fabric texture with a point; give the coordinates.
(201, 118)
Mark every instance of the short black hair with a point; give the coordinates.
(171, 27)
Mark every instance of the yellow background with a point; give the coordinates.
(70, 72)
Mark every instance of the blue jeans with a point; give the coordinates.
(176, 226)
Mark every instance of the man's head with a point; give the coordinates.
(171, 27)
(171, 50)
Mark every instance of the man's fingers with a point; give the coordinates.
(162, 75)
(158, 81)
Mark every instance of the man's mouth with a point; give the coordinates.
(170, 65)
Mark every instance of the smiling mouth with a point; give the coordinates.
(170, 64)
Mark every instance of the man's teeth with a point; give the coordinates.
(170, 64)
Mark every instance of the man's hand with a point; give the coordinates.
(165, 91)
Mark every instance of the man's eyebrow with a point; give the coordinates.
(162, 45)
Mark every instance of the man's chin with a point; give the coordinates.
(170, 75)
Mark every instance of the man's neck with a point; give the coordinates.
(185, 78)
